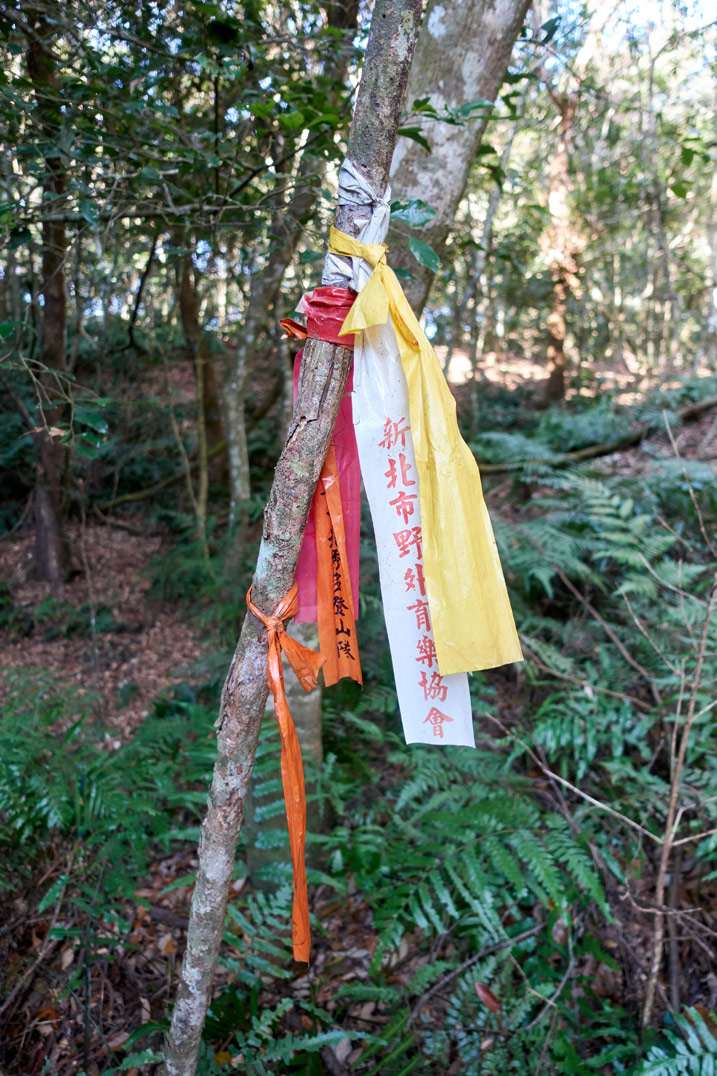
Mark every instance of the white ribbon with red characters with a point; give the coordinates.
(434, 709)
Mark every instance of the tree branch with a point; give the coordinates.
(324, 371)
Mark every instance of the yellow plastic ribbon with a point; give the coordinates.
(472, 621)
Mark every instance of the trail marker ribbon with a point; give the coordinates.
(306, 664)
(327, 571)
(470, 612)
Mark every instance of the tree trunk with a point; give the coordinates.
(287, 229)
(658, 217)
(321, 386)
(474, 286)
(710, 345)
(211, 426)
(564, 245)
(52, 554)
(462, 55)
(563, 242)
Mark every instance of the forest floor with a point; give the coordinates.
(139, 646)
(108, 637)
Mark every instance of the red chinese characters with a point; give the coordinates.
(414, 579)
(403, 504)
(402, 497)
(433, 688)
(437, 719)
(407, 539)
(420, 608)
(393, 432)
(392, 472)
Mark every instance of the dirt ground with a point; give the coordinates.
(149, 644)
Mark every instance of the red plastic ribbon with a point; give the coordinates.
(325, 310)
(306, 664)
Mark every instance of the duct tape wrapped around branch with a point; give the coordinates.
(374, 210)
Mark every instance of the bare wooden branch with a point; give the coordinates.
(673, 817)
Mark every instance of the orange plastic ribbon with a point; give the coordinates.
(306, 664)
(334, 597)
(292, 329)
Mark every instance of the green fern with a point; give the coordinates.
(693, 1054)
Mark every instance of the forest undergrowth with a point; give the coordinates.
(544, 904)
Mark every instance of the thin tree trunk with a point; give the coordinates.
(144, 277)
(474, 287)
(710, 345)
(462, 55)
(209, 417)
(287, 229)
(562, 242)
(673, 302)
(52, 553)
(323, 378)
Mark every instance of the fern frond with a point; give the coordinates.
(693, 1055)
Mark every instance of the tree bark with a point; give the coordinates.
(324, 371)
(462, 55)
(212, 459)
(658, 218)
(563, 245)
(710, 345)
(52, 553)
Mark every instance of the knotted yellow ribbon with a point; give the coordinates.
(472, 621)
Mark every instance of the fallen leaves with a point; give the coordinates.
(487, 997)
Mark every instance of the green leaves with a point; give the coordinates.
(456, 116)
(262, 109)
(413, 212)
(291, 121)
(89, 212)
(694, 1053)
(549, 29)
(680, 188)
(424, 254)
(144, 1057)
(149, 173)
(416, 135)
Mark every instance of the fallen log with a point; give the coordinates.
(590, 452)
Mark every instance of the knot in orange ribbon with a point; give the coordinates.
(306, 664)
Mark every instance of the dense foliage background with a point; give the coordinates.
(544, 904)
